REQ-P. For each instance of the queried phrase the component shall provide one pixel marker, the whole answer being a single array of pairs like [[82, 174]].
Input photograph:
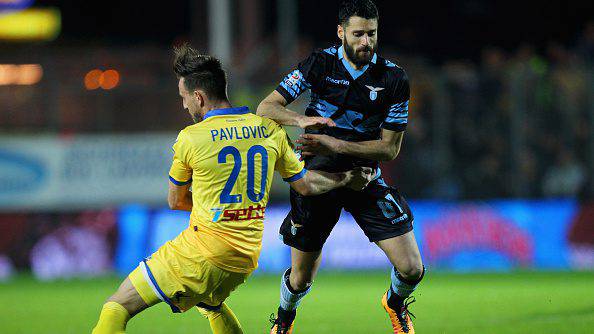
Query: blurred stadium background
[[497, 160]]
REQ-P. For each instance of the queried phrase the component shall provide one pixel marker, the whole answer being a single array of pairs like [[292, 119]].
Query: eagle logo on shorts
[[373, 92], [294, 227]]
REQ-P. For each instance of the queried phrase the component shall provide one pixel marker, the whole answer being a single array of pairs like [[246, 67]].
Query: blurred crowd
[[516, 123]]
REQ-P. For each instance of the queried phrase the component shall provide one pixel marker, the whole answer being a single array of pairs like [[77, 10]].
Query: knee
[[411, 270], [132, 305], [120, 300], [116, 298], [301, 279]]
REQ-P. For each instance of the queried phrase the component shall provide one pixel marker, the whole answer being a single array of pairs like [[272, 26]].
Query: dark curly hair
[[200, 72], [363, 8]]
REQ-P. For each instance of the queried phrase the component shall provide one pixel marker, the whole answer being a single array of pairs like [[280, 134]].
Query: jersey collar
[[352, 71], [227, 111]]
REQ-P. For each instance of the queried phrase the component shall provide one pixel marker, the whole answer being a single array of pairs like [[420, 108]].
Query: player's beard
[[358, 57]]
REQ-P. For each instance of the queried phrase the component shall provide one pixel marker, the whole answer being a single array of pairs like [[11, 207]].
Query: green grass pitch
[[522, 302]]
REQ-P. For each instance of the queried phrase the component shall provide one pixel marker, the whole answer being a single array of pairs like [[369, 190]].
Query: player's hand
[[359, 178], [314, 123], [310, 144]]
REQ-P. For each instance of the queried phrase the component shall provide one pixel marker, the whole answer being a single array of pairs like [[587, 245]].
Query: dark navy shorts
[[379, 210]]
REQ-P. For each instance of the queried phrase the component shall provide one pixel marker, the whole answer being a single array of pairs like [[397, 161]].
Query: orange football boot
[[401, 319], [283, 323]]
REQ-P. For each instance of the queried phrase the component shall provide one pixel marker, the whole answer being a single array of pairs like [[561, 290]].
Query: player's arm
[[314, 182], [384, 149], [317, 182], [274, 107], [305, 76], [179, 197]]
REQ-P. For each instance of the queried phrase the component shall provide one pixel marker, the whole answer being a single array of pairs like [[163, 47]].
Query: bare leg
[[406, 274], [128, 297], [403, 253], [304, 267]]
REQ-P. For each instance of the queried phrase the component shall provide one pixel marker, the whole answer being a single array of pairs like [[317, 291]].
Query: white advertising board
[[50, 172]]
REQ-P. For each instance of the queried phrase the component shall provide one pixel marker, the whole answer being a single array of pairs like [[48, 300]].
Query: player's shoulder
[[330, 52], [191, 129], [324, 55], [190, 132], [391, 68], [271, 126], [273, 130]]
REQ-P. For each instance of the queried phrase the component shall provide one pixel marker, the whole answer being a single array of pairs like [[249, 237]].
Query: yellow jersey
[[230, 158]]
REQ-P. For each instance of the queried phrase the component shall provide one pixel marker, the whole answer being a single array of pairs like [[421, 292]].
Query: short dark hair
[[362, 8], [200, 72]]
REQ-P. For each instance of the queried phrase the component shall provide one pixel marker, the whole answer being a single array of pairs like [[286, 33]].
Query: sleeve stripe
[[396, 120], [292, 88], [401, 104], [296, 177], [296, 89], [179, 183], [295, 86], [399, 109], [282, 91], [398, 114], [289, 90], [392, 118]]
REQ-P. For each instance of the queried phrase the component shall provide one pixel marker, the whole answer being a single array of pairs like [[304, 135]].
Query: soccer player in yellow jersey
[[227, 159]]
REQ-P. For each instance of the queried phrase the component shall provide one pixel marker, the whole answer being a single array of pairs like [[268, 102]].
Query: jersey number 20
[[226, 196]]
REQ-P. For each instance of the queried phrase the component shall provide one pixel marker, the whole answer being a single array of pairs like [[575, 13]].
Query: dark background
[[440, 29]]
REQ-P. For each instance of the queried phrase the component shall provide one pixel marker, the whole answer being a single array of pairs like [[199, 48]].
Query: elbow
[[389, 155], [304, 188], [261, 110], [305, 191], [173, 203], [267, 106]]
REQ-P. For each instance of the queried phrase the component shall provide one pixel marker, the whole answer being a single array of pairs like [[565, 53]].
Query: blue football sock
[[400, 288], [289, 298]]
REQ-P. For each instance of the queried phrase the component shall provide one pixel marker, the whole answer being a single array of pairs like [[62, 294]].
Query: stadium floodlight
[[25, 74], [38, 24], [97, 78]]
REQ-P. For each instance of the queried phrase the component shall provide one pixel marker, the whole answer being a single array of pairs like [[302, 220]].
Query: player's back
[[230, 158]]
